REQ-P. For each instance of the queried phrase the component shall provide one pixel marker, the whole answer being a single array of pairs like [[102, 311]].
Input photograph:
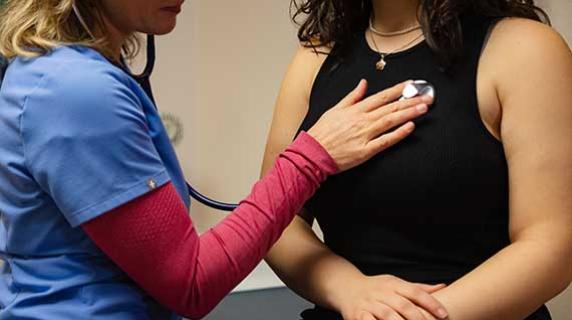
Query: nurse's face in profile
[[146, 16]]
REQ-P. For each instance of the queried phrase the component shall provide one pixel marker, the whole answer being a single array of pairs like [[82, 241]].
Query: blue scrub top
[[78, 137]]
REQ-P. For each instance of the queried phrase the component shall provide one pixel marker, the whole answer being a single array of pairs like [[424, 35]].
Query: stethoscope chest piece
[[418, 88]]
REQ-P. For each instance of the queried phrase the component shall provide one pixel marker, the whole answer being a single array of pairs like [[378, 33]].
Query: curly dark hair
[[324, 22]]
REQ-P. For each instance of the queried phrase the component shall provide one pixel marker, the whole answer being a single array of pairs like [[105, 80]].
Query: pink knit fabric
[[153, 239]]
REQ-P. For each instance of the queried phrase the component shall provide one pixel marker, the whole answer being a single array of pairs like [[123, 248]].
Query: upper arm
[[292, 106], [292, 103], [86, 141], [533, 80]]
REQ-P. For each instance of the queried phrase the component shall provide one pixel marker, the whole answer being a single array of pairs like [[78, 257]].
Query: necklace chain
[[380, 65], [394, 33]]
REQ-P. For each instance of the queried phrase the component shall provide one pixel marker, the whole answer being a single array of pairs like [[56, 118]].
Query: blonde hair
[[31, 28]]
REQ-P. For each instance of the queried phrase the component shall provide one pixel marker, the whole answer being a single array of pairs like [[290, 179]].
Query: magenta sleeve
[[153, 239]]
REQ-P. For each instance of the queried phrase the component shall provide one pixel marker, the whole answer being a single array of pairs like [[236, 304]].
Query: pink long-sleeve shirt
[[154, 241]]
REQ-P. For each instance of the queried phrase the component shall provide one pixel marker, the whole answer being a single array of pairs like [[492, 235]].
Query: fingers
[[355, 96], [401, 105], [404, 307], [424, 300], [367, 316], [396, 119], [382, 311], [384, 97], [431, 288], [387, 140]]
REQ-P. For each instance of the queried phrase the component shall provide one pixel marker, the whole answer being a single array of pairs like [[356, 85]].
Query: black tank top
[[433, 207]]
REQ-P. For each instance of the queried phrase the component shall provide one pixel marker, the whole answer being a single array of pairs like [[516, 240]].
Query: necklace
[[394, 33], [380, 65]]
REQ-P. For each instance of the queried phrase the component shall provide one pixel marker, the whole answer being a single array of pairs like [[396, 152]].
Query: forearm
[[309, 267], [234, 247], [153, 240], [512, 284]]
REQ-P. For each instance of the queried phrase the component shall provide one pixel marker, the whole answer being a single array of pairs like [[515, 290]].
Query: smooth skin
[[524, 81]]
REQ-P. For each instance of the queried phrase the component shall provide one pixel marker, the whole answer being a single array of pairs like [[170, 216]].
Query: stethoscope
[[144, 80], [417, 87]]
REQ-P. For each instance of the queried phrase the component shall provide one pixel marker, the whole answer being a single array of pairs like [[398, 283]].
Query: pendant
[[380, 65]]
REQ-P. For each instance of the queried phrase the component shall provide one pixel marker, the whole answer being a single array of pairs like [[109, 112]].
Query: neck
[[394, 15], [116, 39]]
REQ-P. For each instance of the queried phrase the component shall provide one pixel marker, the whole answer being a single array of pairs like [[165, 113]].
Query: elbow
[[564, 271], [567, 265], [564, 284], [198, 306], [195, 315], [568, 268], [553, 249], [198, 313]]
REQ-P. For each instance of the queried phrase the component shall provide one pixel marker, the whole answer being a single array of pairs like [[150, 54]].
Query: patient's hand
[[390, 298], [427, 315]]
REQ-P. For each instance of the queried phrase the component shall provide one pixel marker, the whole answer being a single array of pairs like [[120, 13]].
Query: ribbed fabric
[[433, 207]]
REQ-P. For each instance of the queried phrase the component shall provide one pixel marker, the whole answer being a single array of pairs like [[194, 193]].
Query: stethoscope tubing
[[144, 79]]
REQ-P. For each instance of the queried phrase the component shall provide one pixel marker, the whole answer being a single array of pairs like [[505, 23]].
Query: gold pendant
[[380, 65]]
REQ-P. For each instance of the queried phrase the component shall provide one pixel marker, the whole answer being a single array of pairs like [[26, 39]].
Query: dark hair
[[325, 22]]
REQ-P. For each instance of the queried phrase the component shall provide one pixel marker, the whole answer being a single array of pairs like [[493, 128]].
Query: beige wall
[[219, 72]]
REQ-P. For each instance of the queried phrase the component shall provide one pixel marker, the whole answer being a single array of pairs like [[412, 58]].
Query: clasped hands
[[386, 297]]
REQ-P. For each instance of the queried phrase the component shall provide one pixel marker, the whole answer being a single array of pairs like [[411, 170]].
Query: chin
[[164, 28], [164, 31]]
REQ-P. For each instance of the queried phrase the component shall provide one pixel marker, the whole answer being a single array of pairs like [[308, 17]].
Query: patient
[[477, 198]]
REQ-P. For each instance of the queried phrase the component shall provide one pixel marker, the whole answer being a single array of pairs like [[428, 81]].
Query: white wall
[[219, 72]]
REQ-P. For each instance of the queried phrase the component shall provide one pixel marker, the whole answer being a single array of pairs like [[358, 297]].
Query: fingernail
[[409, 126], [442, 313], [427, 98], [422, 108]]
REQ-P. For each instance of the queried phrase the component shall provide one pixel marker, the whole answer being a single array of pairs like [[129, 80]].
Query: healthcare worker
[[93, 203]]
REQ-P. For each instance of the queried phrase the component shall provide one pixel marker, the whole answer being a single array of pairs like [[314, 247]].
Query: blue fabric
[[78, 138]]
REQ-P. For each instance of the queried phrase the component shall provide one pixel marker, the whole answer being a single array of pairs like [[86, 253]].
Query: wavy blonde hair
[[31, 28]]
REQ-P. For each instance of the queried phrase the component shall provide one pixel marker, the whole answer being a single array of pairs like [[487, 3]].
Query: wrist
[[316, 152], [444, 298], [343, 295]]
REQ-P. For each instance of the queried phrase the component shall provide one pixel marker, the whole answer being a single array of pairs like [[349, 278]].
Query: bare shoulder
[[306, 64], [293, 100], [522, 53], [527, 32], [524, 40]]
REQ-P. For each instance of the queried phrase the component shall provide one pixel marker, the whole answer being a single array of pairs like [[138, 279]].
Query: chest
[[453, 158]]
